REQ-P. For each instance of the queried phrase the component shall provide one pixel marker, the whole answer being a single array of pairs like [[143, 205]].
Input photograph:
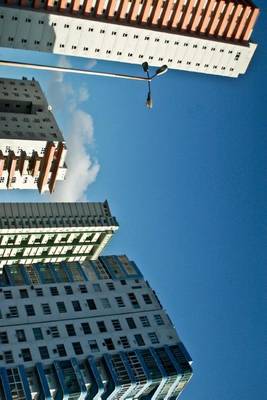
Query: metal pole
[[72, 70]]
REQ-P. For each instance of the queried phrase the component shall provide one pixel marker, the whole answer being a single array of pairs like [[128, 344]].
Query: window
[[109, 344], [68, 289], [144, 321], [54, 331], [131, 323], [110, 286], [133, 300], [105, 303], [29, 310], [116, 325], [147, 299], [77, 348], [8, 356], [8, 294], [91, 304], [61, 350], [54, 291], [26, 355], [39, 292], [70, 330], [101, 326], [158, 319], [21, 335], [139, 340], [13, 312], [61, 307], [23, 293], [86, 328], [119, 301], [153, 337], [37, 332], [44, 354], [46, 308], [124, 341], [123, 282], [97, 287], [93, 345], [76, 305], [3, 337], [83, 289]]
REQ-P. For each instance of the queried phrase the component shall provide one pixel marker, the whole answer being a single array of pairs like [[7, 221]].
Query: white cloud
[[78, 131]]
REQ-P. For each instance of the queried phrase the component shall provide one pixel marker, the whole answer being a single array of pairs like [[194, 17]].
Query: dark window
[[139, 340], [23, 293], [61, 350], [70, 330], [133, 300], [3, 337], [37, 332], [43, 352], [77, 348], [83, 289], [29, 310], [109, 344], [76, 305], [147, 299], [86, 328], [116, 325], [8, 357], [131, 323], [21, 335], [101, 326], [54, 291], [61, 307], [68, 289], [110, 286], [39, 292], [93, 345], [119, 301], [8, 294], [46, 308], [124, 341], [91, 304], [26, 355]]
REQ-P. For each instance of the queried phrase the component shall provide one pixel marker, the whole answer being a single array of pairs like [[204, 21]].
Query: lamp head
[[145, 66], [162, 70]]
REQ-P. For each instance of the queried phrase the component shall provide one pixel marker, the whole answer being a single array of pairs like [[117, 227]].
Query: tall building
[[53, 232], [32, 148], [95, 328], [208, 36]]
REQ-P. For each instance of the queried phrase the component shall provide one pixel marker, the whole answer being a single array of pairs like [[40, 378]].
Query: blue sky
[[187, 181]]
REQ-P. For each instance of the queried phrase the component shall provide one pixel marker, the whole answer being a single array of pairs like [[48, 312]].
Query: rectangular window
[[153, 337], [76, 305], [13, 312], [44, 354], [101, 326], [116, 325], [105, 303], [91, 304], [119, 301], [83, 289], [110, 286], [133, 300], [86, 328], [46, 308], [54, 331], [21, 335], [3, 337], [147, 299], [144, 321], [8, 356], [97, 287], [131, 323], [7, 294], [54, 291], [93, 345], [68, 289], [109, 344], [70, 330], [124, 341], [61, 307], [23, 293], [29, 310], [37, 332], [158, 319], [39, 292], [26, 355], [77, 348], [139, 340], [61, 350]]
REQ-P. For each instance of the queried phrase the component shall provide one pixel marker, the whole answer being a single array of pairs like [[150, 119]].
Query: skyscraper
[[32, 148], [208, 36], [53, 232], [94, 328]]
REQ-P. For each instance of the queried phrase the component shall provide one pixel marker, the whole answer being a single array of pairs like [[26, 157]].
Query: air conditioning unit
[[48, 331]]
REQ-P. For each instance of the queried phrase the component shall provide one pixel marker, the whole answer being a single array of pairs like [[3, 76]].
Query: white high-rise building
[[93, 330], [53, 232], [32, 148], [208, 36]]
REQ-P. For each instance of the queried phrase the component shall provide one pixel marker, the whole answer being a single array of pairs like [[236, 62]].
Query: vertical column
[[46, 166]]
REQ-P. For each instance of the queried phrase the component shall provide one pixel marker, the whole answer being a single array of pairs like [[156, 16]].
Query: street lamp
[[158, 72]]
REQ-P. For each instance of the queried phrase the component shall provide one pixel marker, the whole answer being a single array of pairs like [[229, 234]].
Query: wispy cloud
[[78, 127]]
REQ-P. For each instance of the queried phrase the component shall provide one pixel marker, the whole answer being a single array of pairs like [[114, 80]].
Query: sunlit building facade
[[54, 232], [32, 148], [94, 329], [208, 36]]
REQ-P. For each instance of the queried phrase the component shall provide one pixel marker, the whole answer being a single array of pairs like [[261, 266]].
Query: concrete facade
[[207, 36], [32, 148]]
